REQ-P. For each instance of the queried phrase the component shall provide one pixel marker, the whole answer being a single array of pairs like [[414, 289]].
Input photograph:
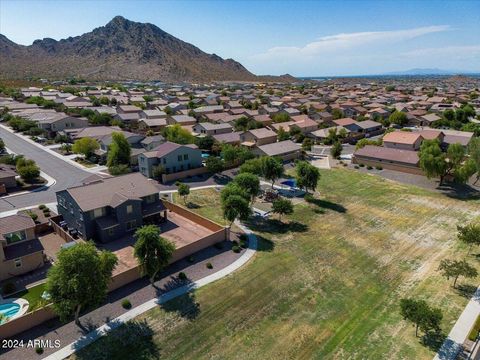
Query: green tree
[[272, 168], [474, 153], [214, 164], [469, 234], [152, 251], [399, 118], [85, 146], [253, 166], [307, 175], [119, 151], [421, 314], [282, 135], [282, 206], [337, 114], [205, 142], [307, 144], [250, 183], [157, 172], [432, 159], [336, 149], [455, 268], [27, 169], [183, 191], [280, 117], [79, 279], [177, 134], [235, 207]]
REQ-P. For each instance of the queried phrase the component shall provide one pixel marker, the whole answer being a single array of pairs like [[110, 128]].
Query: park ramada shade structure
[[387, 154]]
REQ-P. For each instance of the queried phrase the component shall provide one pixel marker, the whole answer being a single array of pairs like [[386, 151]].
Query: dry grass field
[[325, 284]]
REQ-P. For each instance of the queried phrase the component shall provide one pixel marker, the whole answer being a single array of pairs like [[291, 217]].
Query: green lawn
[[327, 285], [33, 295]]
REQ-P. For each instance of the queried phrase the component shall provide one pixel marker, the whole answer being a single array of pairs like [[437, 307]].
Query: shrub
[[9, 288], [378, 167], [362, 165], [182, 276], [236, 249], [209, 265], [473, 334], [308, 197], [119, 169], [369, 167], [126, 304], [39, 350], [344, 164], [356, 167], [243, 244], [32, 215], [45, 210], [42, 207], [47, 214]]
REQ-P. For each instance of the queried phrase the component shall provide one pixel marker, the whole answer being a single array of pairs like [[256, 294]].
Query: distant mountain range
[[121, 50], [427, 71]]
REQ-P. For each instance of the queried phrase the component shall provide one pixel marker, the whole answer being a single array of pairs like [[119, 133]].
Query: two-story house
[[171, 157], [106, 209], [20, 249]]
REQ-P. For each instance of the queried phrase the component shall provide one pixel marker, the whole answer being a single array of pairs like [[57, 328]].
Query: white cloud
[[346, 41]]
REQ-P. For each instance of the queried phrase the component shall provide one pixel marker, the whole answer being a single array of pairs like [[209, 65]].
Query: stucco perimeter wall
[[206, 223], [183, 174], [39, 316], [26, 322], [387, 165]]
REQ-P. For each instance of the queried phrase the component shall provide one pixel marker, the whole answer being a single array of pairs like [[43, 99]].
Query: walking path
[[453, 344], [115, 323]]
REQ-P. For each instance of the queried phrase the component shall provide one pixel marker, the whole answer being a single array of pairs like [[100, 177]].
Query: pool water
[[9, 309], [205, 155], [290, 182]]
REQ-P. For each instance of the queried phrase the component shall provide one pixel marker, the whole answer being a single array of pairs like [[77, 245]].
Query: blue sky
[[303, 38]]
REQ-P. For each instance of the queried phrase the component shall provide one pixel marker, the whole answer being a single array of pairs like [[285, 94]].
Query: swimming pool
[[9, 309], [205, 155], [290, 182], [12, 308]]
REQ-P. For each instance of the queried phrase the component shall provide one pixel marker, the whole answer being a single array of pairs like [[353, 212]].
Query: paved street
[[65, 174]]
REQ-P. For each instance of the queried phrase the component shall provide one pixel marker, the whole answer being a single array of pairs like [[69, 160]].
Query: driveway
[[65, 174]]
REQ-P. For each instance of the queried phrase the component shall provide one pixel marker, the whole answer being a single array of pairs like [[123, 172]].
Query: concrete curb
[[131, 314], [50, 151]]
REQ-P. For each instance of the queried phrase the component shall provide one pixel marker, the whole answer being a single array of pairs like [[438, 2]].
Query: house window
[[98, 213], [18, 262], [150, 199], [129, 209], [179, 157], [164, 160], [185, 157], [130, 225], [16, 236]]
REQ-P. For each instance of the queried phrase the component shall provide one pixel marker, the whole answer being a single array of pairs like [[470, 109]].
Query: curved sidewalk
[[113, 324]]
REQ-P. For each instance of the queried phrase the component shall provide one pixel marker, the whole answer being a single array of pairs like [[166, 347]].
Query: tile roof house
[[109, 208], [258, 137], [171, 157], [285, 150], [20, 249], [206, 128], [7, 178], [388, 158], [404, 140], [232, 138], [429, 119]]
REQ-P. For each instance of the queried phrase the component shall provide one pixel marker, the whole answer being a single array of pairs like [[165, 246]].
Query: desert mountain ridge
[[121, 50]]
